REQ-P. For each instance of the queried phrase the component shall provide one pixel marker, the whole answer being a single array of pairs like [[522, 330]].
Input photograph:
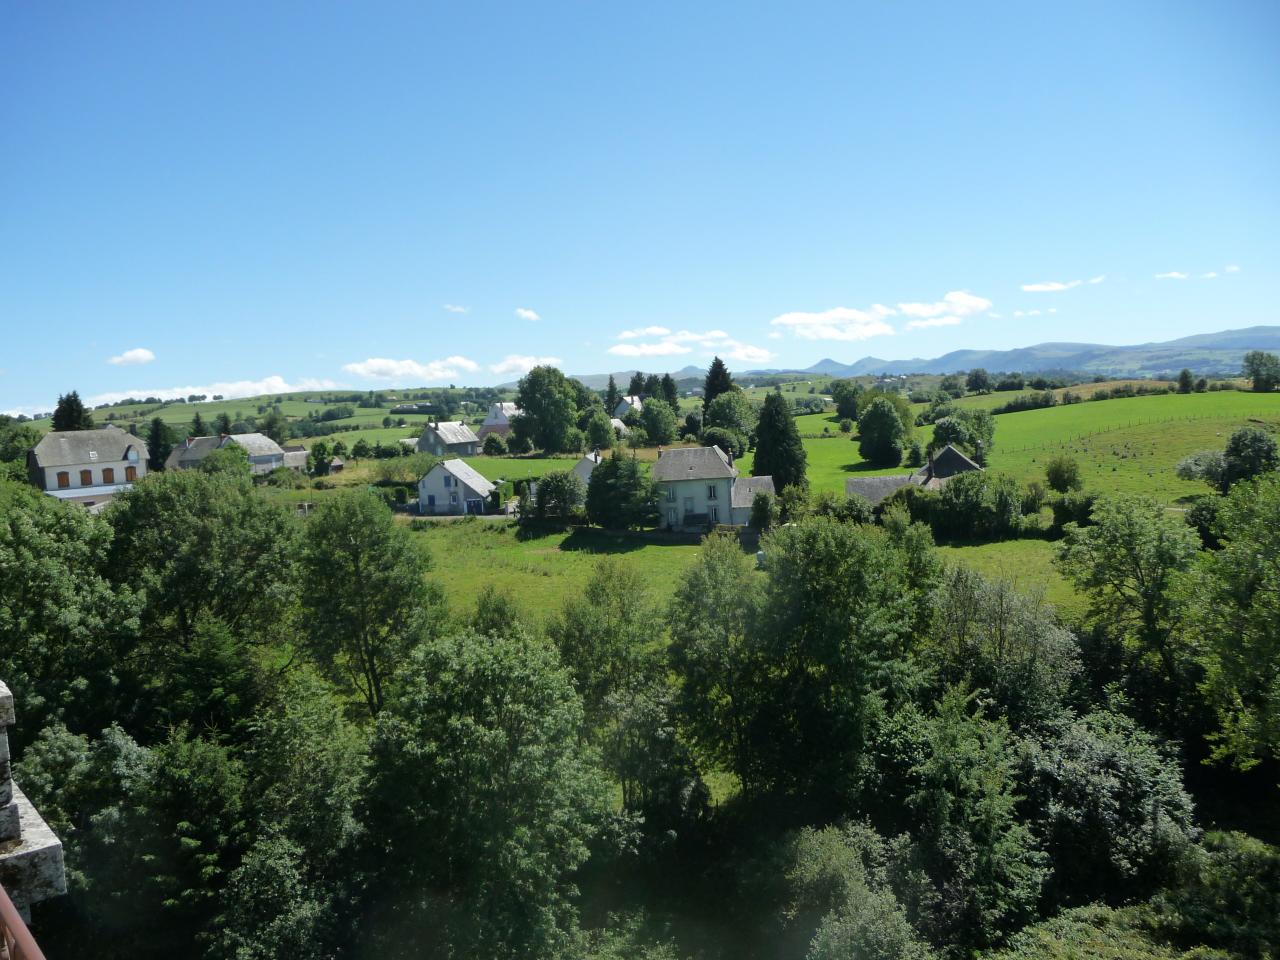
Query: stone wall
[[31, 867]]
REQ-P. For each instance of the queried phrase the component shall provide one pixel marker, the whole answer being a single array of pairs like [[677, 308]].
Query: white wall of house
[[98, 473], [440, 492], [679, 498]]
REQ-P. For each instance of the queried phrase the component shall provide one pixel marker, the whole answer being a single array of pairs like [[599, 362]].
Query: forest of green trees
[[264, 736]]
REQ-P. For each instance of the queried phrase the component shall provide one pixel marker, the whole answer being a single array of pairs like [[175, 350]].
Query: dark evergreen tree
[[636, 387], [198, 427], [159, 445], [652, 386], [222, 423], [779, 452], [71, 414], [717, 382], [611, 396], [670, 392], [1186, 381]]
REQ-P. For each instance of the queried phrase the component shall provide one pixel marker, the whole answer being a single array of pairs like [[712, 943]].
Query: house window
[[711, 491], [671, 518], [131, 474], [86, 478], [714, 513], [453, 498], [448, 481], [64, 479], [671, 494], [108, 475]]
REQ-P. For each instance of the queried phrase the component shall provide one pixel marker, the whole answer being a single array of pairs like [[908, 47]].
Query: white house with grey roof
[[498, 420], [627, 405], [87, 466], [452, 487], [264, 453], [698, 488], [449, 438]]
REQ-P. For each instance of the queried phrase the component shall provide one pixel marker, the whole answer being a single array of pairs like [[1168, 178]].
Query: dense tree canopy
[[779, 452]]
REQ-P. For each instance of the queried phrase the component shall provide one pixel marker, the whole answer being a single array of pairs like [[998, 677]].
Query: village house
[[452, 487], [583, 468], [627, 405], [942, 466], [620, 429], [498, 420], [295, 457], [697, 489], [264, 453], [87, 466], [449, 438]]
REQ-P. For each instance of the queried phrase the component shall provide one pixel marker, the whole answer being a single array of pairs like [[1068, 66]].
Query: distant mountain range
[[1203, 353]]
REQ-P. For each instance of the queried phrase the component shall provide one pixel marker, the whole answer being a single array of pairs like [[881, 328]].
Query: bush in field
[[1063, 474], [560, 495], [494, 445]]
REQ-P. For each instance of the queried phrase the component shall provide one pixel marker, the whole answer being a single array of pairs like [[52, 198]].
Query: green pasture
[[542, 570], [1027, 565]]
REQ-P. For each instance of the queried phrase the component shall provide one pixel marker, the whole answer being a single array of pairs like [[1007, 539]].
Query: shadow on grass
[[595, 540]]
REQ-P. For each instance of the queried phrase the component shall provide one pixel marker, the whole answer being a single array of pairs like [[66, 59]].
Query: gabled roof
[[947, 462], [465, 474], [256, 444], [692, 463], [192, 450], [452, 431], [65, 448], [621, 427], [876, 489], [631, 402], [746, 488], [507, 408]]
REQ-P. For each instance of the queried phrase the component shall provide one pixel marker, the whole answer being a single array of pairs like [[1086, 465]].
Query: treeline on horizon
[[265, 736]]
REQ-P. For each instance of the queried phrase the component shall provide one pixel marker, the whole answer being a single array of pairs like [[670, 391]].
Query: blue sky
[[287, 195]]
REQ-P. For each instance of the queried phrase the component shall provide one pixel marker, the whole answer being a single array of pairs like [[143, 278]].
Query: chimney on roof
[[731, 458]]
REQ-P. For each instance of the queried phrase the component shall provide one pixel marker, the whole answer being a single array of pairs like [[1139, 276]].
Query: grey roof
[[947, 462], [256, 444], [64, 448], [453, 431], [621, 427], [507, 408], [876, 489], [692, 463], [746, 488], [467, 475], [191, 451]]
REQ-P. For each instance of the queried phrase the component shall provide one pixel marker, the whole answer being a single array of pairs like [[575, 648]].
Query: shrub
[[978, 506], [763, 511], [846, 425], [1063, 474], [730, 441], [494, 445], [1074, 508], [560, 495]]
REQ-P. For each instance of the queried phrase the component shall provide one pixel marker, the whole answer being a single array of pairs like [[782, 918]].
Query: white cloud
[[1050, 286], [775, 334], [663, 348], [381, 368], [1211, 275], [1098, 279], [1171, 275], [957, 303], [643, 332], [680, 342], [945, 321], [517, 364], [1231, 268], [838, 323], [524, 313], [230, 389], [134, 356], [454, 308]]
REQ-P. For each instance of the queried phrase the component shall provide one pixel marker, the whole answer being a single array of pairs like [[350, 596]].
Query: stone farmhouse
[[88, 467], [498, 419], [452, 487], [699, 487], [264, 453], [942, 466], [449, 438]]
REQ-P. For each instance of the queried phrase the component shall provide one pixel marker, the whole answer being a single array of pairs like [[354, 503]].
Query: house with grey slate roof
[[264, 453], [698, 489], [87, 466], [942, 466], [449, 438], [452, 487]]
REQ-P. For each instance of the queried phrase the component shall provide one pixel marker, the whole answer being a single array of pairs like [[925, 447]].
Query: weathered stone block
[[10, 822], [6, 706], [31, 868]]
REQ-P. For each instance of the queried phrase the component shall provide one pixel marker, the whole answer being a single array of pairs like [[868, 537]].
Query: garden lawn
[[540, 572]]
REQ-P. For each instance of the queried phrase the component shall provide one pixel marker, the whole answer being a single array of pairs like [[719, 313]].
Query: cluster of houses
[[89, 467]]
